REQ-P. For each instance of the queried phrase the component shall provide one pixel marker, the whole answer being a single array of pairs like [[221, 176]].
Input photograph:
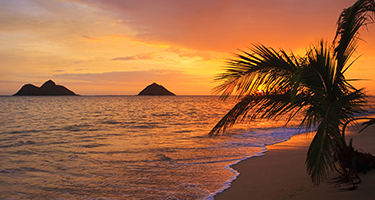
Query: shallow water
[[122, 147]]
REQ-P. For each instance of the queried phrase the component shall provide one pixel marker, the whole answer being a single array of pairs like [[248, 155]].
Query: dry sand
[[281, 173]]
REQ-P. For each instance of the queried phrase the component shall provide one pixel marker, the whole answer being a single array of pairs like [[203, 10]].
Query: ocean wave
[[25, 131], [97, 145], [163, 114], [93, 145], [23, 152], [235, 175], [162, 157], [19, 143], [110, 122], [78, 128], [263, 137]]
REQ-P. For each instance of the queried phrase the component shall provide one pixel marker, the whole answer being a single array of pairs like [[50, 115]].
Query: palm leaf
[[263, 67], [319, 156], [370, 122], [348, 26], [313, 84]]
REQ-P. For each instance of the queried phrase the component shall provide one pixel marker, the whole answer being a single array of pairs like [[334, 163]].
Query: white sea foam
[[284, 134]]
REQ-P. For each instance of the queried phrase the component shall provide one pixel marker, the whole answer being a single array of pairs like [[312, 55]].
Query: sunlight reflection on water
[[122, 147]]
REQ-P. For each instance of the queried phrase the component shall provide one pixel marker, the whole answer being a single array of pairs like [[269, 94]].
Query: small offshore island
[[156, 89], [49, 88]]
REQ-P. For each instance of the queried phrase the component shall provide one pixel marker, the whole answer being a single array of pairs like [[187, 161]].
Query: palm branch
[[313, 84]]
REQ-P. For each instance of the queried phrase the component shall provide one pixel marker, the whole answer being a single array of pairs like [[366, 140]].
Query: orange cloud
[[224, 25], [190, 38], [91, 39], [147, 56]]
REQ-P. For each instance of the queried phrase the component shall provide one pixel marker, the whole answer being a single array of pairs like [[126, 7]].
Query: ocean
[[124, 147]]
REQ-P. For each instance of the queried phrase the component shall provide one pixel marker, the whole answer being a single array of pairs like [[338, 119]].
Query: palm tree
[[313, 84]]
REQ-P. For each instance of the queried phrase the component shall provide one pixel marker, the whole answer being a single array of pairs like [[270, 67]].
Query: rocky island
[[155, 89], [49, 88]]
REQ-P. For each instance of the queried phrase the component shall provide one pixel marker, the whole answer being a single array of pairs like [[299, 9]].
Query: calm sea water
[[122, 147]]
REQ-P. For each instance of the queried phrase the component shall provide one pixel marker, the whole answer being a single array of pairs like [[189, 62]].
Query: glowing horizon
[[119, 47]]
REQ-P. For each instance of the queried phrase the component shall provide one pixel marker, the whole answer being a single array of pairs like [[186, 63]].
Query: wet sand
[[281, 173]]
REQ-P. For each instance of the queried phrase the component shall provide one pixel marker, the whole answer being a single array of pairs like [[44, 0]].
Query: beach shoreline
[[281, 173]]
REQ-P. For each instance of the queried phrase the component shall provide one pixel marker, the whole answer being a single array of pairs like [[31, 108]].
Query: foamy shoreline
[[281, 173], [230, 168]]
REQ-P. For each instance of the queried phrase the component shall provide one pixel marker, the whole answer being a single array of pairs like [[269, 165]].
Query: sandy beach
[[281, 173]]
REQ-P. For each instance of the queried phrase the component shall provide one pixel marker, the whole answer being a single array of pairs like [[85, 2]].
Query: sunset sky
[[117, 47]]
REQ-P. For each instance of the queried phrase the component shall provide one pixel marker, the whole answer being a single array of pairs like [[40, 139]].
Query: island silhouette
[[49, 88], [155, 89]]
